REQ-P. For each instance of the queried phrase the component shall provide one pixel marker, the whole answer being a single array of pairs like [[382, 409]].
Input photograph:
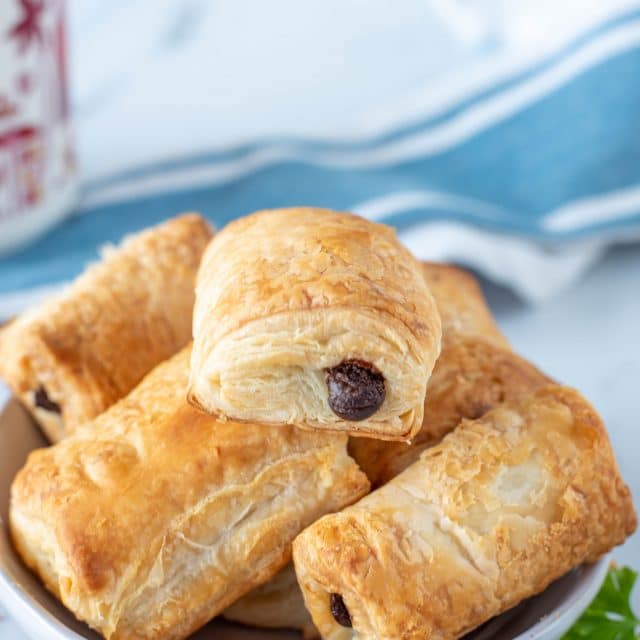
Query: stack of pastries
[[296, 387]]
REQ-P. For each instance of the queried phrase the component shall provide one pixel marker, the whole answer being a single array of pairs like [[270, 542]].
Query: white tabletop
[[588, 338]]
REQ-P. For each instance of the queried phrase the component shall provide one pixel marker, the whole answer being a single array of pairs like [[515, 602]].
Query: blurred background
[[500, 134]]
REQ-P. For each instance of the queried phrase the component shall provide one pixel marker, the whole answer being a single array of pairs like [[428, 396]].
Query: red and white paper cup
[[38, 179]]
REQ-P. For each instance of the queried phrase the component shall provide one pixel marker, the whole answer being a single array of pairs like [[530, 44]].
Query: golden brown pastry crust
[[461, 304], [92, 344], [499, 509], [476, 371], [153, 519], [284, 295]]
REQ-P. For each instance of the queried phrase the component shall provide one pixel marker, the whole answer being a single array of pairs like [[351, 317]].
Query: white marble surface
[[590, 338]]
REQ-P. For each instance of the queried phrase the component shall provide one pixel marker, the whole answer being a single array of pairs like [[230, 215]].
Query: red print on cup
[[37, 168], [28, 28]]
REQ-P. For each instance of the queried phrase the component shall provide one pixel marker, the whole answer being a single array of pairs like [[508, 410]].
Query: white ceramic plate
[[545, 617]]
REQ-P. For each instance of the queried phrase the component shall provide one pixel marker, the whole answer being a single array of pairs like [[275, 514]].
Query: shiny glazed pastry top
[[315, 318]]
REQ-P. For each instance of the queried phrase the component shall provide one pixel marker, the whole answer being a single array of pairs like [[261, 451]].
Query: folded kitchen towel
[[504, 136]]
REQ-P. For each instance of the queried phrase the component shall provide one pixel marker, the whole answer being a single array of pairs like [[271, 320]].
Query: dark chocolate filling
[[356, 389], [42, 400], [339, 610]]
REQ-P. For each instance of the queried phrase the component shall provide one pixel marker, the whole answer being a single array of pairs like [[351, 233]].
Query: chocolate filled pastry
[[314, 318], [502, 507], [153, 519], [75, 355], [476, 371]]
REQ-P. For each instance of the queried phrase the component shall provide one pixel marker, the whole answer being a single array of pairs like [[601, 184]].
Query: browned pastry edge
[[90, 345]]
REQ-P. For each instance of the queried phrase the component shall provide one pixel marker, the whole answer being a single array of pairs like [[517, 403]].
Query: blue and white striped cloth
[[505, 136]]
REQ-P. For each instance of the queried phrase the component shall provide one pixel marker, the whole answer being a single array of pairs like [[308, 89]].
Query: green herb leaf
[[609, 616]]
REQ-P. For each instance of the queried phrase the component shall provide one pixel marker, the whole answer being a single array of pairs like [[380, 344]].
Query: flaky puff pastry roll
[[78, 353], [499, 509], [153, 519], [476, 371], [314, 318]]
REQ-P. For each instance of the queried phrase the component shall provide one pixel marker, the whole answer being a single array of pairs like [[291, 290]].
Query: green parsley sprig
[[609, 616]]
